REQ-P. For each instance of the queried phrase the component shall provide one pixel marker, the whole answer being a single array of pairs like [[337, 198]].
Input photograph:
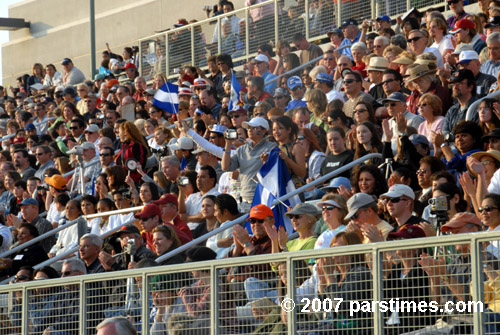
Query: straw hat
[[378, 64], [419, 71], [403, 60], [495, 154]]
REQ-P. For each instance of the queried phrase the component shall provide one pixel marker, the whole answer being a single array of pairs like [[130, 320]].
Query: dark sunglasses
[[295, 217], [486, 208], [349, 81], [145, 219], [360, 111], [104, 155], [235, 116], [21, 277], [40, 153], [392, 104], [328, 208], [411, 40], [253, 221], [278, 97], [67, 273], [73, 128], [301, 137], [329, 58], [388, 81], [395, 200]]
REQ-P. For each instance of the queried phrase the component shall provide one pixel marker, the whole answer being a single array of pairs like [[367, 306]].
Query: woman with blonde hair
[[37, 76], [134, 146], [316, 103], [431, 108], [282, 49], [391, 53]]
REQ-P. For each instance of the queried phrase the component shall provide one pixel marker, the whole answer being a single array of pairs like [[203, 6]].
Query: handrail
[[68, 252], [39, 238], [45, 121], [303, 65], [117, 211], [476, 103], [301, 189]]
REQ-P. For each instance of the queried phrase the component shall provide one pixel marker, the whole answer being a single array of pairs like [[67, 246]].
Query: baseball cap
[[112, 82], [260, 212], [152, 91], [237, 110], [419, 139], [167, 199], [256, 122], [30, 126], [262, 58], [495, 133], [399, 190], [337, 32], [130, 228], [336, 182], [357, 201], [408, 231], [88, 145], [92, 128], [324, 78], [199, 254], [460, 220], [28, 201], [396, 96], [494, 21], [148, 211], [303, 209], [282, 91], [460, 75], [217, 128], [56, 181], [384, 18], [199, 151], [467, 55], [462, 24], [294, 82], [99, 76], [349, 22], [181, 23], [66, 61], [183, 143], [130, 66]]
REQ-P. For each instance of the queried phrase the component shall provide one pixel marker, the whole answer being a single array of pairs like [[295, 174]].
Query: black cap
[[69, 90], [460, 75], [494, 21], [129, 229], [348, 22], [66, 61], [199, 254], [495, 133]]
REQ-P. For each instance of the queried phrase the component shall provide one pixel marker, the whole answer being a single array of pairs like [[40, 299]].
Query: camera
[[183, 181], [230, 134], [125, 192], [42, 188], [135, 48], [162, 151], [449, 138], [177, 70], [439, 204], [131, 247]]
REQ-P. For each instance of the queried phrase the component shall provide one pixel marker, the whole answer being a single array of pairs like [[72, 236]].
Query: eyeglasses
[[292, 217], [378, 46], [67, 273], [40, 153], [349, 81], [254, 221], [392, 104], [104, 155], [411, 40], [388, 81], [486, 162], [235, 116], [421, 171], [395, 200], [73, 128], [486, 208], [21, 277], [422, 105], [278, 97], [328, 208], [145, 219], [360, 111], [329, 58], [212, 137], [301, 137]]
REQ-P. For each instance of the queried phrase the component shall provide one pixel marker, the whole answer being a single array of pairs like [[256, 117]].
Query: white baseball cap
[[256, 122], [399, 190], [467, 55]]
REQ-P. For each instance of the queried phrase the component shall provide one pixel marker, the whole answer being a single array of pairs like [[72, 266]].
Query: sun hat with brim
[[495, 154], [425, 61], [407, 231], [378, 64], [404, 60], [461, 47], [460, 220], [303, 209], [328, 203], [358, 201], [256, 122], [419, 71]]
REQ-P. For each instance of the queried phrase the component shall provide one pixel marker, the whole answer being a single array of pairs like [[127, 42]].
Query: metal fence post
[[167, 53], [408, 5], [290, 278], [82, 306], [219, 36], [339, 13], [214, 300], [307, 19], [477, 293], [247, 34], [25, 312], [378, 276], [276, 22], [193, 61], [145, 304]]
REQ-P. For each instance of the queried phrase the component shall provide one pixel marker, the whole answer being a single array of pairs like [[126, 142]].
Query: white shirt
[[7, 238], [494, 186], [440, 62]]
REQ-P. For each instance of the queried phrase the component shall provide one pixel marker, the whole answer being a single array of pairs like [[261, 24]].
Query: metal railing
[[93, 291], [194, 43]]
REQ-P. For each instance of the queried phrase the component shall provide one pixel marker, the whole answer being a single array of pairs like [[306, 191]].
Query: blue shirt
[[271, 87], [490, 67], [347, 51], [296, 103]]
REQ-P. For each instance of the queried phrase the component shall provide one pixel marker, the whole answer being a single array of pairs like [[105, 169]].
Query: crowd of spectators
[[409, 91]]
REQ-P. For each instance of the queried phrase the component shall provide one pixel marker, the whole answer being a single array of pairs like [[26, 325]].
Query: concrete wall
[[60, 28]]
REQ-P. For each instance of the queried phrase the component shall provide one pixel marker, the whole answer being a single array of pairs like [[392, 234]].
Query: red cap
[[112, 83], [461, 219], [408, 231], [463, 24], [130, 66], [260, 212], [167, 199], [149, 211]]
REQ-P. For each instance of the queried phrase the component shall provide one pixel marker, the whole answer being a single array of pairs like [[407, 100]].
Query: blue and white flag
[[167, 99], [235, 93], [274, 181]]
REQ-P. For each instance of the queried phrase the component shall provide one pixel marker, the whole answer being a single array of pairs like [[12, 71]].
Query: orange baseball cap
[[56, 181], [260, 212]]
